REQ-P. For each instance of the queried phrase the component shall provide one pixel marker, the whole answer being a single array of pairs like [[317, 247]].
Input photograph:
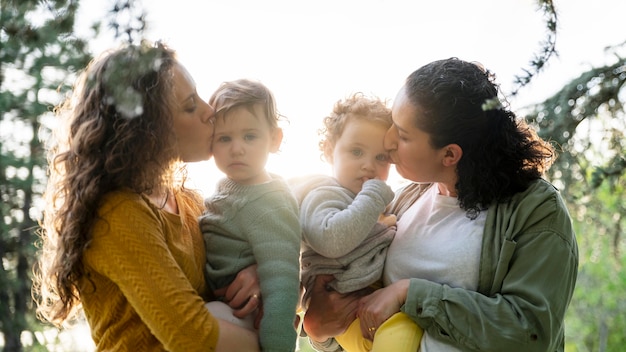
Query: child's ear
[[277, 139]]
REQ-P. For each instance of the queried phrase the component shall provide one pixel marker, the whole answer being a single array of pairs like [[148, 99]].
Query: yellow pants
[[398, 333]]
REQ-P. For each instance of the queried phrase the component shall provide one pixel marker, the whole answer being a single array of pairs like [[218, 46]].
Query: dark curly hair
[[115, 132], [501, 153]]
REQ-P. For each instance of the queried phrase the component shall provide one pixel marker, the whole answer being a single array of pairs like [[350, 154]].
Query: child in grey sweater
[[345, 231]]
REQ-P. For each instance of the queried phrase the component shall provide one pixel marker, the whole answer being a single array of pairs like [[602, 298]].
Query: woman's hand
[[377, 307], [243, 295], [329, 313]]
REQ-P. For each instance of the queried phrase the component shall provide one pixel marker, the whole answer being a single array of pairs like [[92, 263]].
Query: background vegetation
[[39, 50]]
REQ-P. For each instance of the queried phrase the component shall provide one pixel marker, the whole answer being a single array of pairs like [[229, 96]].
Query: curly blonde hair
[[357, 106], [115, 132]]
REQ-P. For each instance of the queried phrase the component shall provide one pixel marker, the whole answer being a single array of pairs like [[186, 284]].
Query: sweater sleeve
[[274, 233], [334, 225], [130, 247]]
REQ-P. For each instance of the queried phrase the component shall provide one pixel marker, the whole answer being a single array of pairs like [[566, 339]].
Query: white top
[[435, 240]]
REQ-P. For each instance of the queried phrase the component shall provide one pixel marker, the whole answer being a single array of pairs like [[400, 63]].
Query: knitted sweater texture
[[143, 284], [247, 224]]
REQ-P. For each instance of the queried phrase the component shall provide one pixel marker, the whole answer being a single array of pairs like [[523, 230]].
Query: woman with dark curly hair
[[120, 237], [485, 257]]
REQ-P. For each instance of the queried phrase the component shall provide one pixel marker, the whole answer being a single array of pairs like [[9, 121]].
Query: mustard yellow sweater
[[144, 279]]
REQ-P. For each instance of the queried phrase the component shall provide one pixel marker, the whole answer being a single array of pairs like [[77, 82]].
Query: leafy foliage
[[596, 318], [586, 120], [38, 48], [547, 47], [127, 19], [39, 55]]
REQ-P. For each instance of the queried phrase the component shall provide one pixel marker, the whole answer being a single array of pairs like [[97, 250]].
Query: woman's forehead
[[184, 85]]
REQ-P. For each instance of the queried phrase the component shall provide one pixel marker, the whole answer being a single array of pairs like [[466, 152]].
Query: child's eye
[[250, 137], [357, 152], [382, 157], [223, 139]]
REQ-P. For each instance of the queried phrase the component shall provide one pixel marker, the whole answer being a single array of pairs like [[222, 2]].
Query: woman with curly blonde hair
[[120, 233]]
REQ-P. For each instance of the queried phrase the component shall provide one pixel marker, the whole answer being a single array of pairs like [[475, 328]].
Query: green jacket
[[527, 274]]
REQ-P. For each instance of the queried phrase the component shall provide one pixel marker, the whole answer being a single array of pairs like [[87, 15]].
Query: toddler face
[[359, 155], [242, 142]]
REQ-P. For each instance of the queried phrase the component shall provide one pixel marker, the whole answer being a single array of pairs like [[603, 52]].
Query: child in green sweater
[[253, 216]]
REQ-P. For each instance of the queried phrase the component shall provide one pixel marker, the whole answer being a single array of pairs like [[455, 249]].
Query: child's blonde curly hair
[[356, 106]]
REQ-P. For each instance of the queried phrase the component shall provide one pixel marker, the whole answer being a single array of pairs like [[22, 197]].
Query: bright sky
[[310, 54]]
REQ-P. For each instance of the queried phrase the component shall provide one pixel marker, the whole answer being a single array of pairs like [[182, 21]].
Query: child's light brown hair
[[357, 106], [246, 93]]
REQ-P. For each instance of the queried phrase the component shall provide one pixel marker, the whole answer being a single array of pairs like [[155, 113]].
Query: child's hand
[[388, 220]]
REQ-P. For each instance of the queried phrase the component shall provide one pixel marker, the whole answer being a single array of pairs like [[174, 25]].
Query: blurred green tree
[[39, 54], [38, 48], [586, 120]]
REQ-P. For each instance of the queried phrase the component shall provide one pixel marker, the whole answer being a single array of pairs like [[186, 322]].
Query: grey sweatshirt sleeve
[[334, 224]]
